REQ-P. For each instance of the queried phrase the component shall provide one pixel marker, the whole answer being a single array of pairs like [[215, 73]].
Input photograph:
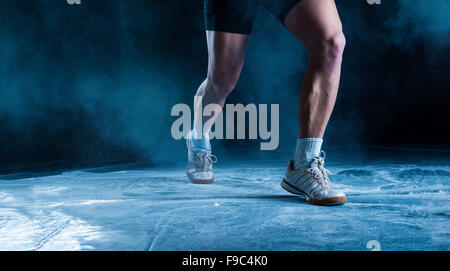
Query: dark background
[[94, 83]]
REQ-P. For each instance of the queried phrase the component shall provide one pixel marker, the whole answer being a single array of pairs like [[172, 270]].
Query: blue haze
[[95, 83]]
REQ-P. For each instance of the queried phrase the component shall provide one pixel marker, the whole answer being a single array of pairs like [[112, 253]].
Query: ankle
[[307, 149], [199, 140]]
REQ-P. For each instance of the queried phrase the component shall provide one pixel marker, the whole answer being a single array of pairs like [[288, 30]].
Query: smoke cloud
[[95, 83]]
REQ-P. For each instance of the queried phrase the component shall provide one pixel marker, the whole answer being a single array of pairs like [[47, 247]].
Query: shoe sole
[[326, 202], [199, 181]]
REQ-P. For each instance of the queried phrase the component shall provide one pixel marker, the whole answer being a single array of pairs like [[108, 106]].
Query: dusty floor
[[392, 206]]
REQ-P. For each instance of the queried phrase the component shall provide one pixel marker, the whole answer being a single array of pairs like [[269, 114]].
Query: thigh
[[312, 20], [232, 16], [279, 8], [226, 53]]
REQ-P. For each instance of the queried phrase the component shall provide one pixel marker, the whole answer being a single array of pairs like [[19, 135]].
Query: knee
[[330, 48], [222, 81]]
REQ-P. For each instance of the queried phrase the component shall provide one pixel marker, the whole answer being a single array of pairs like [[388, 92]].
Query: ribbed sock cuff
[[306, 150], [199, 141]]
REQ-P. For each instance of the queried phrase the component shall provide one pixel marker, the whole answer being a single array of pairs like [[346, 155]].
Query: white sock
[[199, 140], [306, 150]]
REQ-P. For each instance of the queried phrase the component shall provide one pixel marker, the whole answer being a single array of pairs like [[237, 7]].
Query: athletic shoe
[[199, 167], [313, 182]]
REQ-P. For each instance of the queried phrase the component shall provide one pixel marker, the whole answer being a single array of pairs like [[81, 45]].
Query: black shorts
[[237, 16]]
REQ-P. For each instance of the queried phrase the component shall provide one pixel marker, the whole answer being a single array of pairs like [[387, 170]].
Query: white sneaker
[[199, 167], [312, 181]]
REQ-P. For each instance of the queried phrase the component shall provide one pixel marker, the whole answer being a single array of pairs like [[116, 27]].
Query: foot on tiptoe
[[313, 182], [199, 167]]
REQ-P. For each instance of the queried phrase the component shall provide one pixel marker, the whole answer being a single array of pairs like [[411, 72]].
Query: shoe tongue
[[314, 164], [318, 161]]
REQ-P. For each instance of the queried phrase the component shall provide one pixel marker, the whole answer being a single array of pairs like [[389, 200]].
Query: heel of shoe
[[199, 181]]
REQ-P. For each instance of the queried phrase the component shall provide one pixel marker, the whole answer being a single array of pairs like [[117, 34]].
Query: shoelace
[[319, 173], [205, 160]]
